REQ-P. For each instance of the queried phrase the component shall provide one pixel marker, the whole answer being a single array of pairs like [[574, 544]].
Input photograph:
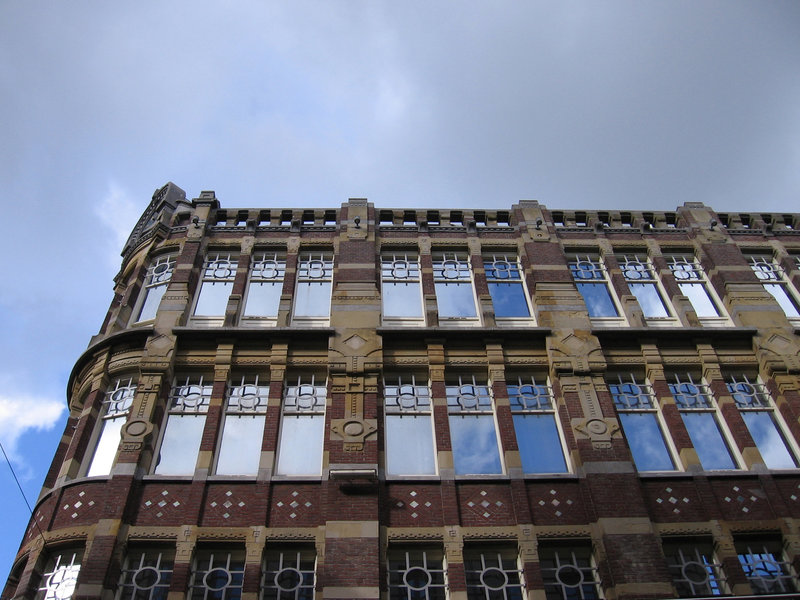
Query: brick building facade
[[368, 403]]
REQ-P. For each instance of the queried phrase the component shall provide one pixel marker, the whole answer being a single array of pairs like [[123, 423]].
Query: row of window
[[453, 278], [409, 432], [491, 572]]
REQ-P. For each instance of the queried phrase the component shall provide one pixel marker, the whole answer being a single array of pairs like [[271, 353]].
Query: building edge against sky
[[391, 403]]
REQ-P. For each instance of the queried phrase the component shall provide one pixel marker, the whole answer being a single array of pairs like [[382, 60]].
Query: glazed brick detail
[[557, 503], [81, 505], [234, 505], [407, 505], [674, 500], [485, 505], [296, 505], [742, 499], [164, 503]]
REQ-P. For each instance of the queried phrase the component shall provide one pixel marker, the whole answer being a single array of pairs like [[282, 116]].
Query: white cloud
[[118, 211], [22, 413]]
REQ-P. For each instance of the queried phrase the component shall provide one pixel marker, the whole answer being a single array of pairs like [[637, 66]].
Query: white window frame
[[141, 565], [61, 576], [314, 268], [466, 399], [267, 268], [498, 565], [189, 399], [219, 268], [753, 396], [218, 560], [772, 276], [116, 408], [526, 396], [632, 396], [401, 268], [758, 557], [688, 560], [455, 268], [591, 270], [568, 561], [687, 270], [505, 269], [404, 397], [425, 561], [293, 563], [246, 400], [156, 282], [703, 401], [304, 396], [637, 269]]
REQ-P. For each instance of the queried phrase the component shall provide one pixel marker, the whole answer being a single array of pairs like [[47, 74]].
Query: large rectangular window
[[302, 426], [416, 573], [592, 282], [243, 427], [539, 436], [409, 426], [695, 572], [219, 272], [186, 417], [642, 282], [638, 413], [116, 407], [401, 287], [473, 431], [699, 413], [506, 286], [694, 285], [155, 284], [762, 420], [569, 572], [217, 574], [773, 278], [264, 287], [493, 574], [455, 294], [146, 574], [312, 300], [288, 573]]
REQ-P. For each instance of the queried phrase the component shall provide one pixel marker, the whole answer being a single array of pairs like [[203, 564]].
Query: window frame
[[519, 405], [686, 558], [267, 267], [499, 556], [687, 271], [514, 275], [772, 276], [58, 574], [156, 281], [401, 268], [219, 268], [236, 407], [454, 268], [314, 267], [129, 589], [639, 398], [575, 554], [302, 556], [422, 396], [116, 407], [202, 591], [291, 407], [416, 559], [772, 548], [638, 269], [594, 266]]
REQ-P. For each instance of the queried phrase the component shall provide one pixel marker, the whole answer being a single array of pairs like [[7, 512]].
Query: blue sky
[[616, 104]]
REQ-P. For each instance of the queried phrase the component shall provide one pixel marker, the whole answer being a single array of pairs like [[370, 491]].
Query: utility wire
[[21, 491]]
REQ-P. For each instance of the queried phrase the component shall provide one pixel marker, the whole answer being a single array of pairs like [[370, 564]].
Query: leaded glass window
[[473, 432], [60, 576], [401, 286], [264, 287], [639, 415], [506, 286], [288, 574], [116, 407], [493, 574], [302, 426], [695, 572], [243, 427], [765, 566], [217, 575], [569, 572], [539, 435], [146, 575], [699, 413], [592, 282], [186, 416], [312, 300], [455, 295], [694, 285], [416, 574], [219, 272], [773, 278], [762, 420], [642, 282], [155, 284], [409, 426]]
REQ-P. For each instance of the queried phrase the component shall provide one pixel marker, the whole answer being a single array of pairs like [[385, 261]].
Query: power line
[[24, 497]]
